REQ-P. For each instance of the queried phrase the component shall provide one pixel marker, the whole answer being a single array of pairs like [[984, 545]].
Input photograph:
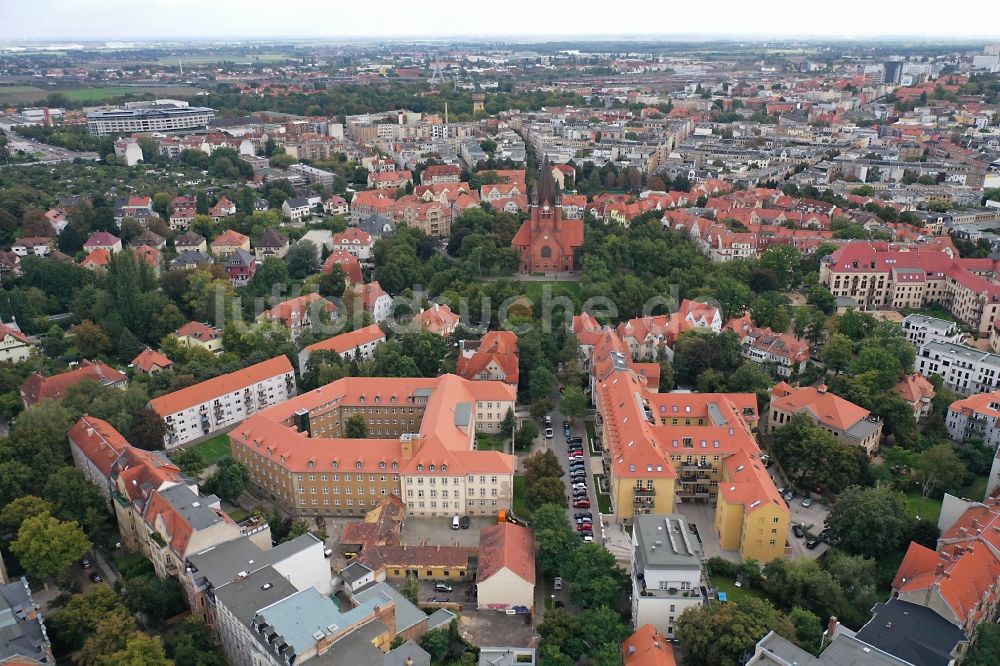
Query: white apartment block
[[975, 417], [921, 329], [472, 493], [165, 118], [666, 571], [203, 409], [964, 369]]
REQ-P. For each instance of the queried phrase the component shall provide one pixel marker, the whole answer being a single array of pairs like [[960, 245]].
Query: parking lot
[[812, 520], [559, 446], [437, 531]]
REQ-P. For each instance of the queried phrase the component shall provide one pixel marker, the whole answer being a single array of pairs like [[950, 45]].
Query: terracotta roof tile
[[506, 546]]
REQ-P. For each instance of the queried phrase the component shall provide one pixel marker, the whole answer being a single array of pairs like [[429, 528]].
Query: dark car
[[812, 543], [96, 578], [583, 514], [438, 600], [464, 522], [798, 531]]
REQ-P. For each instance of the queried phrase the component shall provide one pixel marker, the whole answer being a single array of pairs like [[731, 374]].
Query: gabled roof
[[292, 310], [6, 330], [230, 238], [38, 388], [915, 387], [272, 238], [148, 358], [506, 546], [192, 396], [198, 331], [101, 239], [648, 647], [347, 262], [99, 441], [831, 410], [436, 319], [348, 341]]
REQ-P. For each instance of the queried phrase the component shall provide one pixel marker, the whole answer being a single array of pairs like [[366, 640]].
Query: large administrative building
[[155, 118], [420, 446]]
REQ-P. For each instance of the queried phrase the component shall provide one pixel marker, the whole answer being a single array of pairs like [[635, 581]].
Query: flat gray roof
[[665, 541], [220, 564], [246, 596]]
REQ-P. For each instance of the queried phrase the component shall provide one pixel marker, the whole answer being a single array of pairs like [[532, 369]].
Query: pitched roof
[[294, 308], [191, 396], [198, 331], [6, 330], [230, 238], [915, 387], [348, 341], [272, 238], [831, 410], [101, 239], [506, 546], [148, 358], [648, 647], [99, 258], [497, 347], [99, 441], [437, 319], [352, 236], [347, 262], [38, 387]]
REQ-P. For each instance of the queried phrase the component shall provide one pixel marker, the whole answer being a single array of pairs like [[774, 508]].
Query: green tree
[[508, 423], [555, 538], [940, 470], [90, 339], [550, 490], [594, 577], [16, 512], [411, 590], [525, 436], [332, 284], [436, 642], [540, 465], [869, 521], [229, 481], [541, 384], [573, 402], [71, 623], [111, 634], [46, 546], [837, 353], [721, 634], [666, 376], [808, 629], [191, 461], [822, 299], [154, 598], [147, 430], [356, 427], [141, 649], [302, 259], [986, 648]]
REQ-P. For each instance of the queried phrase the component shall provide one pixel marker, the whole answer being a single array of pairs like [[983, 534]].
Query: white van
[[455, 523]]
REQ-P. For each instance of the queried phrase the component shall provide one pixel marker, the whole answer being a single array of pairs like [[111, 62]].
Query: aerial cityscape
[[428, 337]]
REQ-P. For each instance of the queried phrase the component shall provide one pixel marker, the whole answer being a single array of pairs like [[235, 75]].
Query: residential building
[[845, 648], [506, 574], [441, 173], [648, 647], [197, 334], [348, 263], [272, 243], [389, 180], [666, 571], [975, 417], [14, 345], [437, 319], [190, 242], [921, 329], [841, 418], [39, 246], [918, 393], [785, 354], [299, 314], [963, 369], [96, 446], [102, 240], [491, 358], [150, 362], [209, 406], [960, 580], [546, 241], [431, 217], [153, 118], [661, 449], [647, 337], [882, 279], [151, 257], [150, 239], [38, 388], [222, 208], [191, 260], [98, 260], [228, 242], [374, 300], [334, 205], [421, 434], [297, 208], [25, 640], [128, 151], [312, 175], [355, 241], [360, 343], [914, 634], [241, 266]]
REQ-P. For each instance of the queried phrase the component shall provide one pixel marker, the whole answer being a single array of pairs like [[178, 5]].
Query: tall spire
[[548, 190]]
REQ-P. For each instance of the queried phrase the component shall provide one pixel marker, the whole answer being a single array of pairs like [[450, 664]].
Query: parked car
[[789, 495], [584, 521], [456, 523], [583, 514], [585, 527], [548, 433], [96, 578], [588, 538], [438, 600], [464, 522], [557, 583], [85, 562], [548, 420], [812, 543], [443, 587], [798, 531], [327, 552], [582, 503], [807, 502]]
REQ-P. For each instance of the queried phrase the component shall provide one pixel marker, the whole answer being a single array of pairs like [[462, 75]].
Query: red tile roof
[[99, 441], [437, 319], [347, 262], [6, 330], [101, 239], [38, 388], [497, 347], [648, 647], [506, 546], [294, 308], [198, 331], [348, 341], [148, 359], [831, 410], [191, 396]]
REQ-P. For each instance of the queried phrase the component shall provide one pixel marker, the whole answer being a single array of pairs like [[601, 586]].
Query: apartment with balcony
[[963, 369], [666, 571], [975, 417], [420, 446], [205, 408]]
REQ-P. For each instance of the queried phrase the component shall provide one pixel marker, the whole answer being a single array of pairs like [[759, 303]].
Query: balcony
[[669, 593], [693, 495], [644, 492]]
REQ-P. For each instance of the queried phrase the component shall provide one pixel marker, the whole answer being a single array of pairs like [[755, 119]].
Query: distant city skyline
[[137, 20]]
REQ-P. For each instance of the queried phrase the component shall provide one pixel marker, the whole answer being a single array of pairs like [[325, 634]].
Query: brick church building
[[547, 241]]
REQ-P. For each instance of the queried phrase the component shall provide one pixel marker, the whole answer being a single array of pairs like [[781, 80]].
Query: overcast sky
[[130, 20]]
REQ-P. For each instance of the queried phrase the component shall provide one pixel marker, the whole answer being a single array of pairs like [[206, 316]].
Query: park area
[[215, 449], [14, 95]]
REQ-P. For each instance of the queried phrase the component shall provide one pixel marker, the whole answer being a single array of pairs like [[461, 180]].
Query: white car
[[579, 486], [588, 539], [548, 433]]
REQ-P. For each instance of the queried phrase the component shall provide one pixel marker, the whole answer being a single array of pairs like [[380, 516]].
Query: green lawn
[[486, 442], [534, 290], [520, 507], [927, 509], [591, 437], [214, 449], [733, 593], [603, 500]]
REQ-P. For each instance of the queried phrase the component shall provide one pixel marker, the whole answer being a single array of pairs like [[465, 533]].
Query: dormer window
[[420, 468], [378, 399], [335, 464], [361, 399], [395, 465], [381, 465], [393, 400], [359, 464], [444, 468], [430, 468]]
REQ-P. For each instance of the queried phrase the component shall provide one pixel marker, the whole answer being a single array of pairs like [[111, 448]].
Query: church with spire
[[546, 241]]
